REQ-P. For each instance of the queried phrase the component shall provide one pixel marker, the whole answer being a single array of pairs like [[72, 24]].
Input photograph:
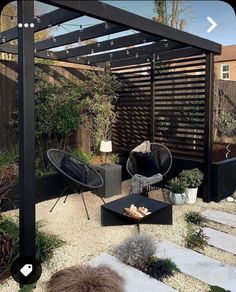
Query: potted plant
[[177, 193], [191, 179]]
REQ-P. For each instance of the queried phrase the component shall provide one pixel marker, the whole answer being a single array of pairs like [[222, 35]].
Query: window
[[225, 72]]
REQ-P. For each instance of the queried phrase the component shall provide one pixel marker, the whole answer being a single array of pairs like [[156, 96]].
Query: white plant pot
[[177, 199], [191, 195]]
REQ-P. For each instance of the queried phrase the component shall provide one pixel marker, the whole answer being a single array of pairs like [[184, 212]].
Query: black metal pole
[[25, 12], [208, 127], [152, 134]]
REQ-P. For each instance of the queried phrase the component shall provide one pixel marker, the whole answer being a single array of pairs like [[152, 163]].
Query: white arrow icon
[[212, 22]]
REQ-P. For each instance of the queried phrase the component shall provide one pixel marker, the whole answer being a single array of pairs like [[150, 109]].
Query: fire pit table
[[112, 213]]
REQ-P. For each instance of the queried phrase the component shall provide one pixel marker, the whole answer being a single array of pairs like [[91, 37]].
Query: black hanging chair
[[79, 177]]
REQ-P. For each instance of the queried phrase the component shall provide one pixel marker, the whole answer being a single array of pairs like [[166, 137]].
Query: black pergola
[[151, 41]]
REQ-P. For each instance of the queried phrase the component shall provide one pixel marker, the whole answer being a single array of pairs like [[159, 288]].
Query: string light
[[106, 25], [88, 62], [98, 45], [111, 55], [144, 41], [112, 43], [166, 45], [81, 27], [38, 20], [136, 55], [127, 52], [54, 39], [47, 54], [35, 50], [157, 57], [92, 51], [78, 58], [67, 51], [3, 39], [79, 40]]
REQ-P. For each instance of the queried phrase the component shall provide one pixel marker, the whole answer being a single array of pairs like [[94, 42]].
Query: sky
[[221, 12]]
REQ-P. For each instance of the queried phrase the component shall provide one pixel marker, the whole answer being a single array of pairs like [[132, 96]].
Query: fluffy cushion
[[147, 164], [86, 279], [77, 171]]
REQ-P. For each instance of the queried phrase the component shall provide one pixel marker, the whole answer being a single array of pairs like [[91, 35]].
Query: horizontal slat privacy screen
[[133, 107], [178, 105]]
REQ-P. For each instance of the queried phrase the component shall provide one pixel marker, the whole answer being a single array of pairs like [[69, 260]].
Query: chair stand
[[85, 206], [59, 199]]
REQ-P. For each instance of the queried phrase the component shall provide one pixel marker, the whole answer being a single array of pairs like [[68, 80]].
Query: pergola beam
[[50, 19], [76, 36], [172, 54], [133, 52], [101, 10], [112, 44]]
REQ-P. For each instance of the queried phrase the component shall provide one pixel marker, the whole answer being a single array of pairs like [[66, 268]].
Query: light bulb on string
[[78, 58], [106, 25], [67, 51], [89, 62], [81, 28], [111, 55], [3, 39], [98, 45], [166, 45], [136, 55], [111, 43], [127, 52], [92, 51], [54, 39], [38, 19], [35, 50]]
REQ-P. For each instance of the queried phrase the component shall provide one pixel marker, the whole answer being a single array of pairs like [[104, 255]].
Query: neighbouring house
[[225, 64]]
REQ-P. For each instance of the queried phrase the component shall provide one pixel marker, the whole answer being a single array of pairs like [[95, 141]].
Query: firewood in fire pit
[[136, 212]]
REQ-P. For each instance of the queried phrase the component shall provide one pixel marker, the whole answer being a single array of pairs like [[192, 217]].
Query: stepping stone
[[220, 217], [199, 266], [135, 280], [220, 239]]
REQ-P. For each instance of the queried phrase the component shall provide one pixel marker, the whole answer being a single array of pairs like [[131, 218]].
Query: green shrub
[[9, 156], [195, 239], [136, 250], [27, 288], [85, 156], [191, 178], [45, 243], [176, 186], [195, 218], [217, 289], [161, 268]]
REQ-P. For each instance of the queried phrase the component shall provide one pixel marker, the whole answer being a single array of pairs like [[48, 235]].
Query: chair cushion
[[74, 170], [147, 164]]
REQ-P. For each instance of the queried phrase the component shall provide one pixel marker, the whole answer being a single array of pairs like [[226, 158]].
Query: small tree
[[99, 108]]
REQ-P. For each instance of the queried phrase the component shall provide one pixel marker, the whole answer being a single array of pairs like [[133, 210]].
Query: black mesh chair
[[93, 179], [164, 158]]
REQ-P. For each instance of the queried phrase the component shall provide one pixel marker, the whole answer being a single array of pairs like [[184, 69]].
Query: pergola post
[[25, 12], [208, 128]]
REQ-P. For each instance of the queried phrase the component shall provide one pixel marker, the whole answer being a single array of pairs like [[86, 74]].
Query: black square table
[[112, 213], [111, 173]]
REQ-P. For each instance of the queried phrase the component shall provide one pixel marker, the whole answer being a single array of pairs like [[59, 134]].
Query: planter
[[191, 195], [177, 199]]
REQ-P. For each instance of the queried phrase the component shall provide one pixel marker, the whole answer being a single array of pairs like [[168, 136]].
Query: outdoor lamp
[[106, 147]]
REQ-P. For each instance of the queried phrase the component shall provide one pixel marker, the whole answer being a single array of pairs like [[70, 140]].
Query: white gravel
[[87, 239]]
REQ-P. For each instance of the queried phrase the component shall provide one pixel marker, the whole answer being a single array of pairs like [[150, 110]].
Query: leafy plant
[[195, 218], [176, 186], [27, 288], [196, 239], [136, 250], [217, 289], [85, 156], [99, 108], [5, 251], [45, 243], [161, 268], [191, 178], [9, 156]]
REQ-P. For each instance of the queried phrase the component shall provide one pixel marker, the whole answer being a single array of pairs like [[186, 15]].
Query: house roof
[[228, 54]]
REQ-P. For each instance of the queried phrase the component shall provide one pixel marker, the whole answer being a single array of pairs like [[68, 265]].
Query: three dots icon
[[26, 25]]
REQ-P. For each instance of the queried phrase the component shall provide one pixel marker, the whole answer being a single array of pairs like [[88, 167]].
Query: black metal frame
[[178, 43]]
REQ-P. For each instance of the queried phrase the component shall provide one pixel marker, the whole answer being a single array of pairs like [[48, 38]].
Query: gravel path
[[87, 239]]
